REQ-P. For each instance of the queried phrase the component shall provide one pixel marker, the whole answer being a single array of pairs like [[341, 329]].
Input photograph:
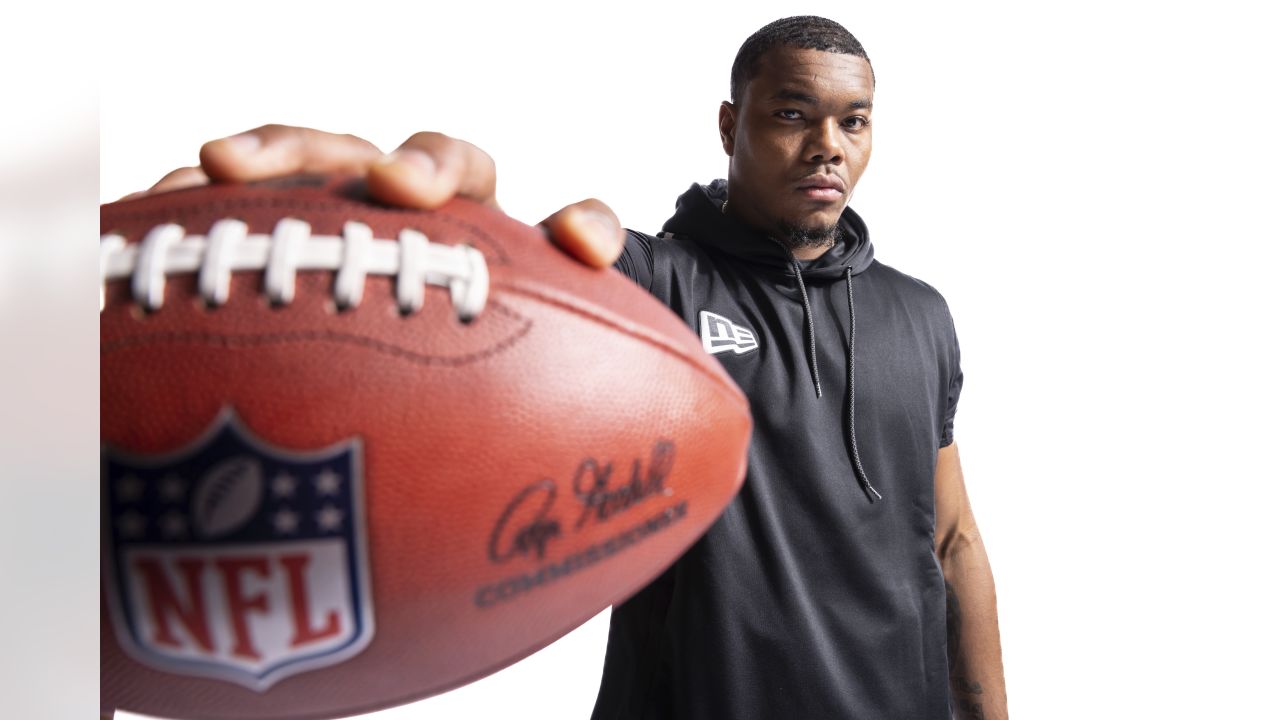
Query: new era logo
[[719, 335]]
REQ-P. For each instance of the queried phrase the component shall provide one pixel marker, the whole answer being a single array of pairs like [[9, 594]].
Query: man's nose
[[824, 142]]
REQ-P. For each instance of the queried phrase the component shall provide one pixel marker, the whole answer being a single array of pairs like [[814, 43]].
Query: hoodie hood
[[698, 216]]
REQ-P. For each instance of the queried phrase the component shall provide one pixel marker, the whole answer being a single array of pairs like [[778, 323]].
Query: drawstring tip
[[872, 494]]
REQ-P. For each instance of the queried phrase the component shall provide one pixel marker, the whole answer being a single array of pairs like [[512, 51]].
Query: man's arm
[[973, 633]]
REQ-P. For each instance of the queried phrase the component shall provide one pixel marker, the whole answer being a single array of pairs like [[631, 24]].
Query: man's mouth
[[822, 187]]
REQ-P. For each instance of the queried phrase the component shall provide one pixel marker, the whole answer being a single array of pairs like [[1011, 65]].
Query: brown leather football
[[355, 455]]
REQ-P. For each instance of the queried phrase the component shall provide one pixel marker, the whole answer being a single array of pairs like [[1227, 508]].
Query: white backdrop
[[1091, 185]]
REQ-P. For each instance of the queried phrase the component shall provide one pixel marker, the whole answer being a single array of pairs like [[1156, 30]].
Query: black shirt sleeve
[[954, 382], [636, 260]]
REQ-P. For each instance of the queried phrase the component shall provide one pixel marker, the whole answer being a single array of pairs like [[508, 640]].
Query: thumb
[[588, 231]]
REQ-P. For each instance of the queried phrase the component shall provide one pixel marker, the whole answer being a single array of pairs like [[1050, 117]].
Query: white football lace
[[412, 259]]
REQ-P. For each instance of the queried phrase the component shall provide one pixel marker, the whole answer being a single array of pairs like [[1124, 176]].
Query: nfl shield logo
[[236, 560]]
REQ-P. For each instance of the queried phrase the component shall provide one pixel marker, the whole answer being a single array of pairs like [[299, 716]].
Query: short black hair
[[802, 32]]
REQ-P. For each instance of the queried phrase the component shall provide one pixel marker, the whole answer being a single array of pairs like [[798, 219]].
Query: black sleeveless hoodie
[[817, 593]]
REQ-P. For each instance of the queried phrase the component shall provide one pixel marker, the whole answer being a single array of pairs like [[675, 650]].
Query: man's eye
[[857, 122], [789, 114]]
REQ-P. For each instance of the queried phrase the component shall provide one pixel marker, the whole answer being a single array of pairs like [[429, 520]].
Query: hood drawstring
[[863, 480], [871, 492], [808, 320]]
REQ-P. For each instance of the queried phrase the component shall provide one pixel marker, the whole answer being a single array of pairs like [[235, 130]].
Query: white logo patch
[[719, 335]]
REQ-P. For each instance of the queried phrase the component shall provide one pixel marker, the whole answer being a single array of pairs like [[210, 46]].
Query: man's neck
[[803, 253], [810, 253]]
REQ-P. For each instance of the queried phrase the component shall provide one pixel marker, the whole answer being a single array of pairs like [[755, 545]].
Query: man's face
[[798, 140]]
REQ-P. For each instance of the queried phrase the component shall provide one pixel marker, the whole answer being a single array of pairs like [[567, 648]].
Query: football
[[356, 455]]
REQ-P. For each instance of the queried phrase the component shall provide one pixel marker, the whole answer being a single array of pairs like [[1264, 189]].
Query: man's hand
[[424, 172]]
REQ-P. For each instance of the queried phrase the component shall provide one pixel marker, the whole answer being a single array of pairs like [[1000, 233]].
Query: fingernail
[[418, 162], [600, 223], [244, 143]]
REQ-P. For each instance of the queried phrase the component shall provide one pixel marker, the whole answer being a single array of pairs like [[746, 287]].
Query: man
[[848, 578]]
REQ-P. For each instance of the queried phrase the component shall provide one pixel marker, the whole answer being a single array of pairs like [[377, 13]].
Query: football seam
[[229, 341], [648, 336]]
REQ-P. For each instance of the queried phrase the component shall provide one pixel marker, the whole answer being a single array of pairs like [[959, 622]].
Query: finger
[[176, 180], [430, 168], [280, 150], [588, 231]]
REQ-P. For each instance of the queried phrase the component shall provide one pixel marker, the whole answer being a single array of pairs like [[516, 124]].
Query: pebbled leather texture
[[566, 371]]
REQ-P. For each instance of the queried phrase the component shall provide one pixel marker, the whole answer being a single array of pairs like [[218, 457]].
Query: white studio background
[[1091, 185]]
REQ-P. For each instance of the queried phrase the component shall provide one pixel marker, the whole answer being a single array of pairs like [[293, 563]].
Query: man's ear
[[728, 126]]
